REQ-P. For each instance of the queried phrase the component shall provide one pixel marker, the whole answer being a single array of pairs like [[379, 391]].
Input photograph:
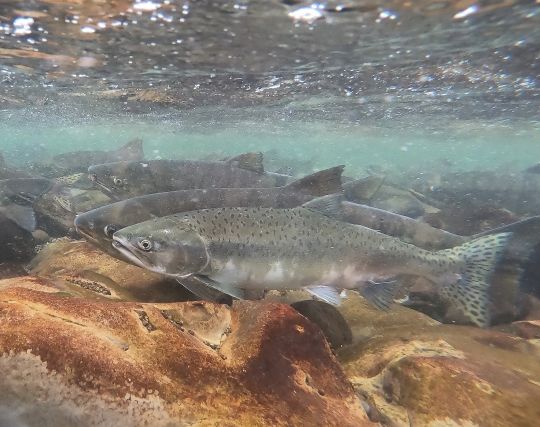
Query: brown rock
[[79, 265], [327, 317], [70, 361], [527, 329], [412, 371]]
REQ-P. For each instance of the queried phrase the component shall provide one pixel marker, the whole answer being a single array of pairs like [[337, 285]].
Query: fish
[[8, 172], [374, 191], [81, 160], [533, 169], [407, 229], [235, 249], [490, 189], [17, 195], [124, 180], [98, 225]]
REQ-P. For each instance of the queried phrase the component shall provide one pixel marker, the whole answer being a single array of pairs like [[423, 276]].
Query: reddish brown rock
[[527, 329], [82, 268], [70, 361], [413, 371]]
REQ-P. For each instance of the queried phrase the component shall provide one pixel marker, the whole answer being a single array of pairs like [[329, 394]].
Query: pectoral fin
[[203, 291], [222, 287]]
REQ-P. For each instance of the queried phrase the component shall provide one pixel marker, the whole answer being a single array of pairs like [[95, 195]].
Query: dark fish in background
[[403, 227], [17, 216], [533, 169], [275, 161], [262, 248], [17, 196], [8, 172], [18, 242], [469, 191], [124, 180], [99, 224], [56, 210], [81, 160], [376, 192]]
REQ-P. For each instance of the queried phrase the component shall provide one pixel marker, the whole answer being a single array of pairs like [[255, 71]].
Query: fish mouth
[[86, 235], [81, 230], [103, 187], [123, 246]]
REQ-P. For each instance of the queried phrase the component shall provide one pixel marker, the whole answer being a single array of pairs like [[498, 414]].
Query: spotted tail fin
[[471, 292]]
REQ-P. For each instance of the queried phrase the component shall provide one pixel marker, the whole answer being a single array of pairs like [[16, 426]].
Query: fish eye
[[145, 244], [117, 181], [110, 229]]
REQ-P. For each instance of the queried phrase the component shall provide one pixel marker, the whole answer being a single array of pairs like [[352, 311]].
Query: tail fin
[[471, 292]]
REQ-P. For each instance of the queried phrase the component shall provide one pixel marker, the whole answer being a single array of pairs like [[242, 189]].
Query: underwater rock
[[528, 329], [328, 318], [79, 265], [71, 361], [18, 243], [413, 371]]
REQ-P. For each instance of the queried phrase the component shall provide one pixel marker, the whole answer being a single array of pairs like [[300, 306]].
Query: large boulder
[[68, 361], [414, 371], [79, 267]]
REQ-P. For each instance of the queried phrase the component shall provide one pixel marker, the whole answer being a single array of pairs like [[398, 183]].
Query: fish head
[[95, 228], [119, 179], [175, 252]]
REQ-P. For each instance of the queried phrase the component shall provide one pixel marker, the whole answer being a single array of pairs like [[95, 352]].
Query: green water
[[464, 145]]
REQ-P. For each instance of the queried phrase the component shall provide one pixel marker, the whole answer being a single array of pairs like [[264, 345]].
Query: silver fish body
[[298, 248], [99, 224], [17, 195], [131, 179]]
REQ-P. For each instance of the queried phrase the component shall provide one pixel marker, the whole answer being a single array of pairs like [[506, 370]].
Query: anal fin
[[327, 294], [381, 295], [200, 289]]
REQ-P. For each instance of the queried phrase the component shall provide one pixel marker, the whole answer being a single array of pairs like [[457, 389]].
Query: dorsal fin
[[329, 205], [363, 189], [533, 169], [248, 161], [327, 181], [131, 150]]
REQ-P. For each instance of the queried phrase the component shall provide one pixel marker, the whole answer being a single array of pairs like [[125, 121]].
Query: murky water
[[433, 106]]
